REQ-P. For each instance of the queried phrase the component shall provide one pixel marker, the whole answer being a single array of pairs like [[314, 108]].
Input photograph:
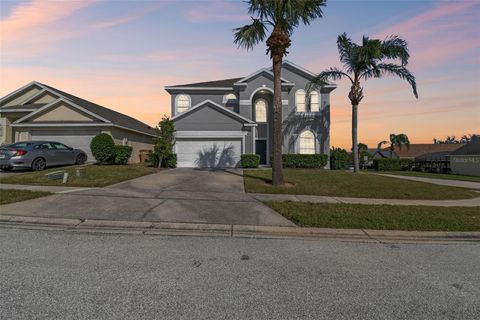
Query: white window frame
[[227, 100], [176, 102], [266, 111], [312, 108], [300, 103], [309, 149]]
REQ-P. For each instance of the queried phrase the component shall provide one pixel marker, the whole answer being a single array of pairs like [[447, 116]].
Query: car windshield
[[19, 145]]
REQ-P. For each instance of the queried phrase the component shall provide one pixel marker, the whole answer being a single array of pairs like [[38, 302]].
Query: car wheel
[[81, 158], [38, 164]]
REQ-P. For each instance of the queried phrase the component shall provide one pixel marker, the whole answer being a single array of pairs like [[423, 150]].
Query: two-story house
[[217, 121]]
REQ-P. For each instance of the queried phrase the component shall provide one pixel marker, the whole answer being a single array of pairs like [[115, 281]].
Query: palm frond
[[322, 78], [348, 51], [250, 35], [308, 10], [394, 47], [399, 71], [380, 144]]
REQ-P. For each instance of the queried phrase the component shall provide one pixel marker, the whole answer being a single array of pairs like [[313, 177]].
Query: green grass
[[347, 184], [446, 176], [380, 217], [11, 195], [96, 176]]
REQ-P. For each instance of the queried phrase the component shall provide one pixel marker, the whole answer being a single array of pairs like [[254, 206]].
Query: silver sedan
[[38, 155]]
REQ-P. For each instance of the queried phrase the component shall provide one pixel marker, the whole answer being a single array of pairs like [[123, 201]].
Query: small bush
[[103, 148], [304, 160], [250, 160], [338, 158], [392, 164], [122, 154], [170, 161]]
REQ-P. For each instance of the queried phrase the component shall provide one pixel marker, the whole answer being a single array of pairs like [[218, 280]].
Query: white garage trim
[[213, 134]]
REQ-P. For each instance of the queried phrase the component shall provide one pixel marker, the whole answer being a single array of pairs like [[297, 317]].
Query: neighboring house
[[217, 121], [422, 150], [40, 112], [466, 160]]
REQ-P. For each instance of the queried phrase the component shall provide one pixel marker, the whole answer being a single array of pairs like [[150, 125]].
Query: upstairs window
[[300, 100], [307, 142], [261, 111], [182, 103], [314, 102]]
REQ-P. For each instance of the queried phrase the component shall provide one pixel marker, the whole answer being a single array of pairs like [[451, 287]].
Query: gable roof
[[260, 71], [471, 148], [422, 149], [220, 108], [117, 118]]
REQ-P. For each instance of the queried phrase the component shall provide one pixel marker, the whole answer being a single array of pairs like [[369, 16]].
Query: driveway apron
[[176, 195]]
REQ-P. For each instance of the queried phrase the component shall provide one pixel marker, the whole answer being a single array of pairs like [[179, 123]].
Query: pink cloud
[[130, 17], [216, 11]]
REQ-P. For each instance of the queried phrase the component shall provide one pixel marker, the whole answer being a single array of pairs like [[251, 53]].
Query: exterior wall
[[44, 98], [197, 97], [21, 97], [468, 165], [137, 141], [62, 113], [207, 118]]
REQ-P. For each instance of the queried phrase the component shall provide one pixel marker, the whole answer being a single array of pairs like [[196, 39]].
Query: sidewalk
[[474, 202], [443, 182], [52, 189], [233, 230]]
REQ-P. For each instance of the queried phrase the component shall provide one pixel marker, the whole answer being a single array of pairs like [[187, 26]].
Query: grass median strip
[[347, 184], [13, 195], [95, 176], [379, 217]]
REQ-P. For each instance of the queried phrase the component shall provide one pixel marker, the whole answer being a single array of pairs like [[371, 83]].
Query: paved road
[[443, 182], [57, 275], [179, 195]]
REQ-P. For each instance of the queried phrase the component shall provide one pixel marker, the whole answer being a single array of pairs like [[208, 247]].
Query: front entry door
[[261, 150]]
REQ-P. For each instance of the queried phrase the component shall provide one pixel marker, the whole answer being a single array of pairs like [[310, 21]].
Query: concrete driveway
[[178, 195]]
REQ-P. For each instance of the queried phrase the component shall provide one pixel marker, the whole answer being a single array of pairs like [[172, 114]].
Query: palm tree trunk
[[277, 166], [356, 167]]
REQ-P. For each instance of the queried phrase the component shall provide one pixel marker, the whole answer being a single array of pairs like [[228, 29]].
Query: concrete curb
[[228, 230]]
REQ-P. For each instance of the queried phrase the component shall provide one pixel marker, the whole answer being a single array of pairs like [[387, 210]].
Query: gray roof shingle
[[109, 114], [210, 84]]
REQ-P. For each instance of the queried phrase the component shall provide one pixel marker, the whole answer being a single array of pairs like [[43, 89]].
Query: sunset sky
[[121, 54]]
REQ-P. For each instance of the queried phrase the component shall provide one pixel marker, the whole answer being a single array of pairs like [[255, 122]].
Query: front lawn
[[380, 217], [446, 176], [12, 195], [347, 184], [95, 176]]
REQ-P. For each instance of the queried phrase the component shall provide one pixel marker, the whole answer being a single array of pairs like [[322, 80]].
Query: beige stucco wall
[[62, 112], [135, 140], [23, 97], [44, 98], [468, 165]]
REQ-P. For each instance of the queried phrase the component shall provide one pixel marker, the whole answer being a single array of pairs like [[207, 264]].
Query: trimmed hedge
[[103, 148], [304, 160], [338, 158], [392, 164], [122, 154], [250, 160]]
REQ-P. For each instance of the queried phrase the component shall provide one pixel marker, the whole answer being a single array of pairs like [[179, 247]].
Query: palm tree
[[372, 59], [396, 141], [281, 17]]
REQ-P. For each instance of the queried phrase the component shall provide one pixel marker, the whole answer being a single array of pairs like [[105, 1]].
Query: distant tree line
[[452, 139]]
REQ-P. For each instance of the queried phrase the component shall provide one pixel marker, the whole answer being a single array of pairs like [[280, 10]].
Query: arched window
[[229, 98], [307, 142], [182, 103], [261, 111], [314, 102], [300, 100]]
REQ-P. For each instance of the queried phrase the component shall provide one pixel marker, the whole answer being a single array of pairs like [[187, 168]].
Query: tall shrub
[[163, 148], [103, 148], [338, 158]]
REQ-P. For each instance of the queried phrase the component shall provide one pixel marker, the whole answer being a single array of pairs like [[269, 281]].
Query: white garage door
[[80, 140], [208, 153]]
